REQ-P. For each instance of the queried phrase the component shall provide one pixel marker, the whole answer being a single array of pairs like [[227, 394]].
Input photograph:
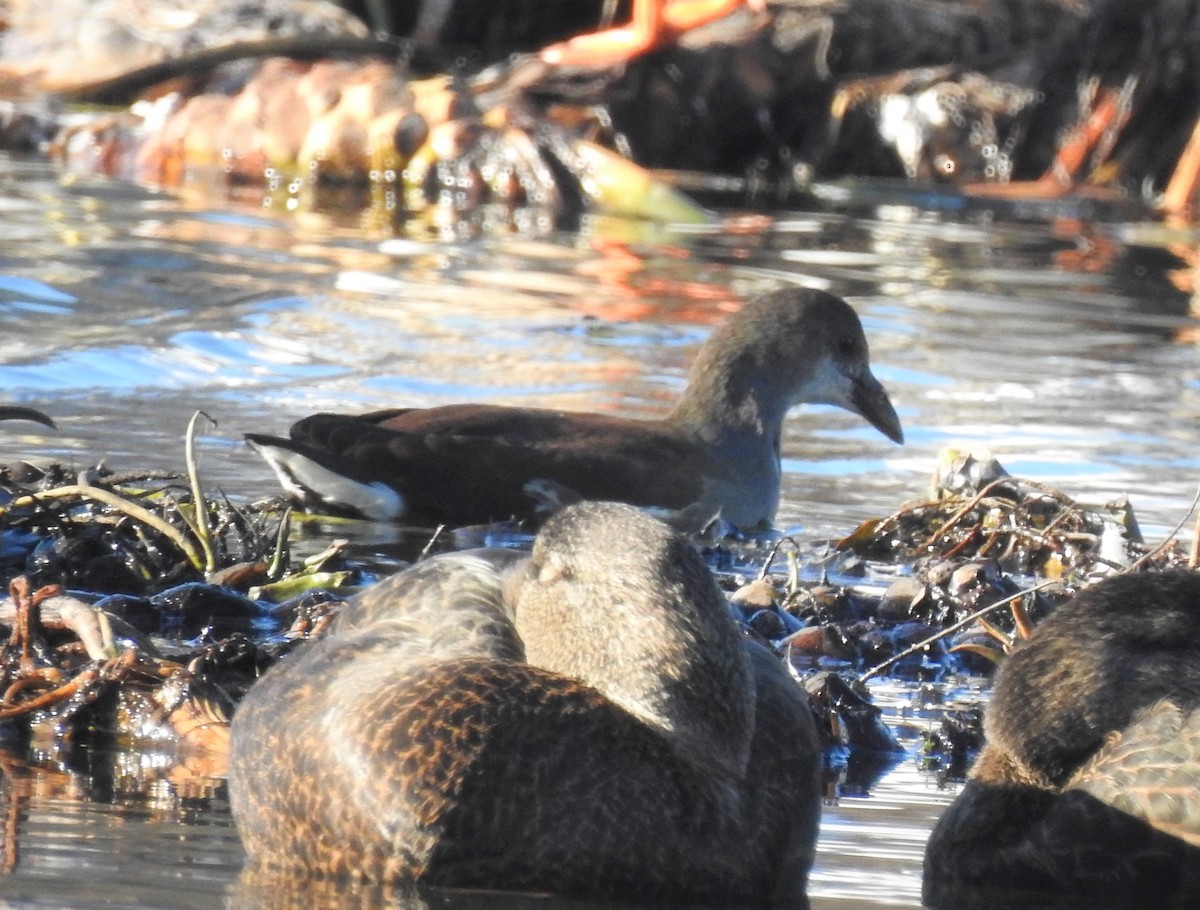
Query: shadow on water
[[1060, 336]]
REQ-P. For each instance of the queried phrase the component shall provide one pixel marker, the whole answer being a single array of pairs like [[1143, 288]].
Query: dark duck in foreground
[[588, 721], [1088, 788], [716, 452]]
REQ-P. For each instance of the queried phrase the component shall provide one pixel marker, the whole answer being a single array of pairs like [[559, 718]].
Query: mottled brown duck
[[716, 452], [1088, 788], [588, 721]]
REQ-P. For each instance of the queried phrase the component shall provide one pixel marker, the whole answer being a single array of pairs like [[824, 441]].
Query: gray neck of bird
[[731, 397]]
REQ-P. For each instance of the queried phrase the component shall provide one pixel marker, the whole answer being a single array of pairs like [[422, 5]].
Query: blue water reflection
[[1059, 336]]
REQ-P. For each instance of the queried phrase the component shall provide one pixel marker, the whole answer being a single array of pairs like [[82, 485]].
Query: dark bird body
[[1088, 788]]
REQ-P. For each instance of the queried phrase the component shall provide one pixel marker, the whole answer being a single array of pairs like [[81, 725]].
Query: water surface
[[1057, 336]]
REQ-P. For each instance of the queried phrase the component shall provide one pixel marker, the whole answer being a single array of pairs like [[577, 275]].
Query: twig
[[282, 553], [967, 507], [1146, 557], [432, 540], [199, 504], [1194, 550], [775, 548], [913, 649]]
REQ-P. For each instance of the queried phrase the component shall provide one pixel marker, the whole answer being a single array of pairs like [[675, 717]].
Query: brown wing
[[464, 464]]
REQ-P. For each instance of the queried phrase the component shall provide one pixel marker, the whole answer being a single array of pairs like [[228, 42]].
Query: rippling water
[[1057, 336]]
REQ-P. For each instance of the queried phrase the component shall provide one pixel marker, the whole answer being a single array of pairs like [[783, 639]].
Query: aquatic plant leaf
[[298, 584], [616, 184]]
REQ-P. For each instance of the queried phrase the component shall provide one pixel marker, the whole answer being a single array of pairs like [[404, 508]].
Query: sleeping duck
[[589, 720], [1088, 788]]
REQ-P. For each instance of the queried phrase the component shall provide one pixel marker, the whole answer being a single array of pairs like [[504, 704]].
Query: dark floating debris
[[982, 560], [140, 609]]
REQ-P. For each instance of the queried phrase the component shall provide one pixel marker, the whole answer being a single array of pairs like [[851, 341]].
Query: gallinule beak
[[590, 720], [716, 452], [1087, 789], [15, 412]]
